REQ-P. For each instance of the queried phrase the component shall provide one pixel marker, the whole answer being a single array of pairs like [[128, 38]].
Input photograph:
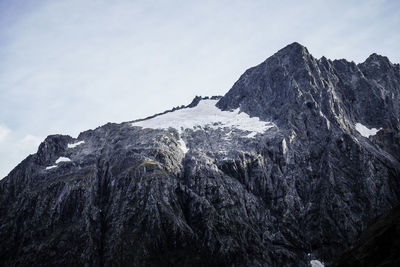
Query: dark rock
[[131, 196], [379, 244]]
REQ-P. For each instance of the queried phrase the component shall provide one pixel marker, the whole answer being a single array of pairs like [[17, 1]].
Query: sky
[[71, 65]]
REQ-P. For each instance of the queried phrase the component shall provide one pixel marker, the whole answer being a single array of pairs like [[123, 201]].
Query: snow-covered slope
[[206, 114]]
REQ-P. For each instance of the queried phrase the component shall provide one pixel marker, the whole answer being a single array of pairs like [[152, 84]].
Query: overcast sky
[[71, 65]]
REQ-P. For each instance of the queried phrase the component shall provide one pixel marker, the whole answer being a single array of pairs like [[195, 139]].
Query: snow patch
[[62, 159], [76, 144], [251, 135], [316, 263], [284, 146], [182, 146], [364, 131], [51, 167], [206, 114]]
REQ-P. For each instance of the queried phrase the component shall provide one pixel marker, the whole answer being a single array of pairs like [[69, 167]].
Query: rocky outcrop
[[379, 244], [300, 187]]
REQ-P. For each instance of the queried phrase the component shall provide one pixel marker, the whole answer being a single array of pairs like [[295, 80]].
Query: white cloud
[[4, 132], [30, 142], [15, 150]]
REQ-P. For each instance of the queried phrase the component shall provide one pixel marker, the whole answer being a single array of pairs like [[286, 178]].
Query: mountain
[[286, 169], [379, 244]]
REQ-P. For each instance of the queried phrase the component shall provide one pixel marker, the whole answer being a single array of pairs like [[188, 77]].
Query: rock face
[[379, 244], [277, 175]]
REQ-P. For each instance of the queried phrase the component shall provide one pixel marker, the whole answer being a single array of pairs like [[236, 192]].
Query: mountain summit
[[285, 169]]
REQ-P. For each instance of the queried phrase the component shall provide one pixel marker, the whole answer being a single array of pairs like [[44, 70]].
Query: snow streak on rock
[[75, 144], [316, 263], [62, 159], [51, 167], [182, 146]]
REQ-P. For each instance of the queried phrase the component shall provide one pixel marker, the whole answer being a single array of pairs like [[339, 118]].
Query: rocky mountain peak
[[286, 82], [51, 147], [285, 169], [378, 60], [293, 82], [293, 51], [380, 69]]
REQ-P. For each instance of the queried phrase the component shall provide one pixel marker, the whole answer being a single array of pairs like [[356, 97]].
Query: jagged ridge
[[297, 192]]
